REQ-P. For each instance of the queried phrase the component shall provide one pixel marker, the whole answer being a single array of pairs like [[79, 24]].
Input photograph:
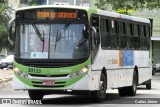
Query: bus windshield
[[52, 41]]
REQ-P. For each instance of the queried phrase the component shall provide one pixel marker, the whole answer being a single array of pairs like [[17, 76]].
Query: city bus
[[79, 50]]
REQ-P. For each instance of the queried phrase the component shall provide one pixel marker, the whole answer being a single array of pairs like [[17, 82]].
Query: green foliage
[[4, 19], [101, 4], [128, 4]]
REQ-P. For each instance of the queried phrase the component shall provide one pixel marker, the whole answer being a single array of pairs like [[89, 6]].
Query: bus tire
[[35, 94], [100, 95], [133, 89], [148, 85], [123, 91], [154, 71]]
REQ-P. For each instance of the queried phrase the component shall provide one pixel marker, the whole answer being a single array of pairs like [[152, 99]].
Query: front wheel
[[35, 94], [101, 93]]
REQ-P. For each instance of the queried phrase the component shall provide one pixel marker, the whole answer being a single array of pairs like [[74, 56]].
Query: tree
[[4, 19], [127, 4]]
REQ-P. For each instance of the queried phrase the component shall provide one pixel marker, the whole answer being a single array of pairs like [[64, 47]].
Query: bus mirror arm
[[94, 29], [10, 32], [97, 35]]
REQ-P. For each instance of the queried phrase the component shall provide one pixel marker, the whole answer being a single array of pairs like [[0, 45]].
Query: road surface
[[112, 97]]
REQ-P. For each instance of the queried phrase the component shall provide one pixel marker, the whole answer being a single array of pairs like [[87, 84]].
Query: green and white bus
[[80, 50]]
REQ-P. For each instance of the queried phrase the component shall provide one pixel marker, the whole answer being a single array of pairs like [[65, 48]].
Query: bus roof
[[99, 12], [53, 6], [122, 16]]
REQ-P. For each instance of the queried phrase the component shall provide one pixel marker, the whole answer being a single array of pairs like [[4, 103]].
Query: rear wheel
[[35, 94], [133, 89], [148, 85], [154, 71]]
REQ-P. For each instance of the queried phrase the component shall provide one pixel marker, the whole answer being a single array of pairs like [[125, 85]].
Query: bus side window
[[113, 34], [104, 33], [95, 21], [122, 35], [148, 36], [131, 37], [139, 30], [143, 37], [136, 37]]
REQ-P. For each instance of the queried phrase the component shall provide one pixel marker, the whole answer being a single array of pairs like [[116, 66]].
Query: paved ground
[[6, 76], [112, 97]]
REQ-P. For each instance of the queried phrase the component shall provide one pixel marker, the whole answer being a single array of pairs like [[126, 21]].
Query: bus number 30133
[[34, 70]]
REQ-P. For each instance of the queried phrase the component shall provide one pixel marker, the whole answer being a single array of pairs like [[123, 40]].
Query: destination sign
[[51, 14], [55, 15]]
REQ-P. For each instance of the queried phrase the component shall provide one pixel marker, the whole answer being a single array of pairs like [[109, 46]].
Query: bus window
[[107, 25], [124, 28], [139, 30], [145, 31], [122, 42], [113, 35], [113, 41], [144, 38], [104, 33], [128, 29], [131, 28], [135, 30], [134, 42], [95, 21]]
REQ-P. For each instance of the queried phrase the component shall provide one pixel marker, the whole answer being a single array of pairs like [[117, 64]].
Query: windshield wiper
[[38, 32], [41, 37], [59, 36]]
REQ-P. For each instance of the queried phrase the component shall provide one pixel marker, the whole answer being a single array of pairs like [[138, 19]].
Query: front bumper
[[88, 82]]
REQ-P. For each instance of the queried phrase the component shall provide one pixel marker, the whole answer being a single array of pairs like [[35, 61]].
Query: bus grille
[[37, 75], [56, 85]]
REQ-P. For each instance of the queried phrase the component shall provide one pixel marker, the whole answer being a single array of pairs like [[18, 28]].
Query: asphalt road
[[112, 97]]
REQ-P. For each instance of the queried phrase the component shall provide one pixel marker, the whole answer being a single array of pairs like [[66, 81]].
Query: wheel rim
[[135, 83], [102, 90]]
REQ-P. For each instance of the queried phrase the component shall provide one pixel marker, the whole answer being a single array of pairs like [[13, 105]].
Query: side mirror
[[10, 31]]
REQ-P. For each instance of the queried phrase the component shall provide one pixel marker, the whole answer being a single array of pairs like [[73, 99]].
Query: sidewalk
[[6, 76]]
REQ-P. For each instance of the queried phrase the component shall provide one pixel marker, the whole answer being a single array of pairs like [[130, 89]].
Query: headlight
[[20, 73], [79, 73], [16, 70]]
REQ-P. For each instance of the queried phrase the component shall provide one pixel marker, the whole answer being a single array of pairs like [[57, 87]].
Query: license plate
[[48, 83]]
